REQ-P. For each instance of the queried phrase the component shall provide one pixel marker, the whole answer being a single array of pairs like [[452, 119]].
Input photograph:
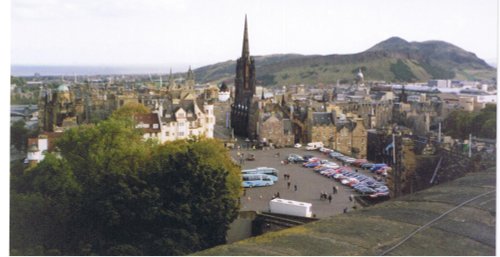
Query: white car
[[297, 145]]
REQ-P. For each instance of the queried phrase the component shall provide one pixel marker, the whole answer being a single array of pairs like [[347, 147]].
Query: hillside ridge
[[392, 60]]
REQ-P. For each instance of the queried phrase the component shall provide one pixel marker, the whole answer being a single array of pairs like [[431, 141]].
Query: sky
[[197, 33]]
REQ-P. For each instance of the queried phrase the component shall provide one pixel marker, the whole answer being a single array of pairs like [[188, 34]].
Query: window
[[181, 124], [181, 134]]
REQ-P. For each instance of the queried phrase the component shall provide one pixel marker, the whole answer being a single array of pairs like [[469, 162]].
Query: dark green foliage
[[111, 193], [460, 124], [437, 72], [267, 79], [19, 135], [402, 72], [18, 81]]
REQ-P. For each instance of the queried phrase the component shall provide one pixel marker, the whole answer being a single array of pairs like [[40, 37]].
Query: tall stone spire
[[246, 51]]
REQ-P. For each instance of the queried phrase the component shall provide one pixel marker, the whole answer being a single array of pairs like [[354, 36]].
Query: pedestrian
[[244, 191], [356, 170], [351, 197], [295, 187], [345, 210], [282, 162], [284, 174], [278, 154], [288, 175], [330, 198], [278, 195], [288, 184], [336, 189]]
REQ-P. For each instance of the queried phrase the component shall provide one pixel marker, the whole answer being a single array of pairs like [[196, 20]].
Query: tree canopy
[[112, 193], [459, 124]]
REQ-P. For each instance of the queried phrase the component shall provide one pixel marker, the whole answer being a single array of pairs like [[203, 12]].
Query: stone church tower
[[243, 110]]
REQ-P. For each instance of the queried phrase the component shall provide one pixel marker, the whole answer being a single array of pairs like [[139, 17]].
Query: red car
[[359, 162]]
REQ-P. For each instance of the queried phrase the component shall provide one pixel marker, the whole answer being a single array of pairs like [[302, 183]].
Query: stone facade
[[276, 130], [59, 110], [351, 138], [243, 110]]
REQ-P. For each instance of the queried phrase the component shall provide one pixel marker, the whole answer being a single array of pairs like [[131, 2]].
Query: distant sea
[[45, 70]]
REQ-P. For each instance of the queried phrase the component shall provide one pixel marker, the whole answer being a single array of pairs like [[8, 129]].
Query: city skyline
[[197, 33]]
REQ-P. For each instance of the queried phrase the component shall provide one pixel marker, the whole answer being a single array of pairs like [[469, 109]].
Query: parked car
[[307, 157], [359, 162], [366, 190], [377, 166], [297, 145], [250, 157], [335, 154], [350, 160], [295, 158], [367, 165], [311, 164]]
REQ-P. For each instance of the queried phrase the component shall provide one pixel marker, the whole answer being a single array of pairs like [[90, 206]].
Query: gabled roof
[[150, 119], [322, 118]]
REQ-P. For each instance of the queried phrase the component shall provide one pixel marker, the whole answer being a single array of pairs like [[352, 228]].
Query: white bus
[[256, 180], [263, 170]]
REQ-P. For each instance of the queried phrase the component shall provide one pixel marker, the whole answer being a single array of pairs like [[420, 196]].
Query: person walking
[[351, 197], [345, 210], [278, 195], [288, 184], [330, 198], [295, 187]]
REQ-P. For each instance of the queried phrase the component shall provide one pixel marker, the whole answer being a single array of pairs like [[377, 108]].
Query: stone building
[[244, 114], [59, 110], [322, 128], [275, 129], [181, 119], [351, 138]]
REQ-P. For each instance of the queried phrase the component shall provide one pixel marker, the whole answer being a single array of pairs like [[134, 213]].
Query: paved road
[[309, 184]]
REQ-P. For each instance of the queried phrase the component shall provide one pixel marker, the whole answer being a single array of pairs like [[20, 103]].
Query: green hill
[[392, 60]]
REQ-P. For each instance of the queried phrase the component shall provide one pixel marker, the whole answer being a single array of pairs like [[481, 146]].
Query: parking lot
[[309, 183]]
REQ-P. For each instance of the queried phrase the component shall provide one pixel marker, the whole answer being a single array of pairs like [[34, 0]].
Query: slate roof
[[456, 218], [187, 105], [150, 119], [322, 118], [351, 125]]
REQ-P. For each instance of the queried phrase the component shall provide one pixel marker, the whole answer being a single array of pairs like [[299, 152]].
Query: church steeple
[[245, 52]]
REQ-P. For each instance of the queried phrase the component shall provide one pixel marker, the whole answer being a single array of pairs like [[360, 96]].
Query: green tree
[[211, 186], [113, 193], [41, 208], [128, 110], [19, 135]]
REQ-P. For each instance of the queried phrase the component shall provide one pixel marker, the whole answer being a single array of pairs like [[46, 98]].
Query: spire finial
[[246, 51]]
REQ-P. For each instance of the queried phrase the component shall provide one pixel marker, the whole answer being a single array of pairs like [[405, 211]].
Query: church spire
[[246, 51]]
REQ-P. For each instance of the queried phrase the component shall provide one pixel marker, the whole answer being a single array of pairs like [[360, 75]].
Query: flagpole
[[470, 145], [393, 149]]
